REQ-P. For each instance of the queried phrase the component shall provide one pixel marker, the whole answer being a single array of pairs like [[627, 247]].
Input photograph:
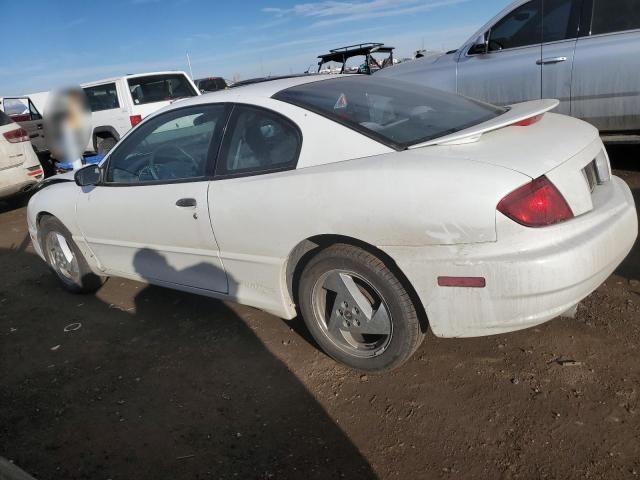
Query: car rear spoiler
[[525, 113]]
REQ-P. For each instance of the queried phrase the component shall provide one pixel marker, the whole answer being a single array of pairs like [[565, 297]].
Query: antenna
[[189, 62]]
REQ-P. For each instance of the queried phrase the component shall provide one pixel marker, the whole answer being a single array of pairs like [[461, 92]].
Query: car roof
[[263, 89], [132, 75]]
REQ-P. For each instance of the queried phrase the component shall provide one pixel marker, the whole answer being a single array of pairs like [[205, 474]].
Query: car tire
[[17, 201], [106, 145], [334, 290], [66, 262]]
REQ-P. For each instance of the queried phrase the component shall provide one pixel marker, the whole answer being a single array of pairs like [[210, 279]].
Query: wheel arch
[[308, 248], [104, 131]]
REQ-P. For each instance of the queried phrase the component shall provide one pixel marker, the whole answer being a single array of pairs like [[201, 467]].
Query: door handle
[[551, 61], [186, 202], [40, 127]]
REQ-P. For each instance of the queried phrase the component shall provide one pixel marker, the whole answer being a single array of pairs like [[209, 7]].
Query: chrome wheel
[[61, 258], [352, 313]]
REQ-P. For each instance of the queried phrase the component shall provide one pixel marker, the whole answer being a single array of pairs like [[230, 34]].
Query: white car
[[118, 104], [375, 208], [20, 169]]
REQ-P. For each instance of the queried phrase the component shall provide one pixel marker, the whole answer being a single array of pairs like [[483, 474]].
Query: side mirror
[[88, 176], [480, 46]]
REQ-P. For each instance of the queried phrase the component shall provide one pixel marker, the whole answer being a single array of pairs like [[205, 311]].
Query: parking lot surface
[[151, 383]]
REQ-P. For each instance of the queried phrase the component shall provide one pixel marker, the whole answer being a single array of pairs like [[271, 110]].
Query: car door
[[22, 111], [149, 216], [559, 33], [606, 82], [259, 144], [508, 71]]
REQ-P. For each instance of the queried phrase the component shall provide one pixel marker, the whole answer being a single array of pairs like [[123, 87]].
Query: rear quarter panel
[[606, 81]]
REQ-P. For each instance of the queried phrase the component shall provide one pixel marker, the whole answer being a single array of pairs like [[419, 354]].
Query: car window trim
[[211, 156], [224, 145]]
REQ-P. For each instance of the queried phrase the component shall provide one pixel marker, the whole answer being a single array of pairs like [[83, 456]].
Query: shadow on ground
[[625, 160], [170, 386]]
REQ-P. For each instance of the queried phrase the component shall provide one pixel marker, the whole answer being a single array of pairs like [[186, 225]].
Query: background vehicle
[[582, 52], [365, 50], [20, 169], [284, 194], [118, 104], [211, 84], [24, 112]]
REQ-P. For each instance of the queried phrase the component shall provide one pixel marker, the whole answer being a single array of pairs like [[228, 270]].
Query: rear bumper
[[16, 180], [532, 275]]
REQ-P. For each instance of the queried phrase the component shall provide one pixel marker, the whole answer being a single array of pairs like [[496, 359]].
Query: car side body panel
[[606, 83]]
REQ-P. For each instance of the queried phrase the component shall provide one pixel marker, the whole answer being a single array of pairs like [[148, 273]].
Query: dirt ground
[[164, 385]]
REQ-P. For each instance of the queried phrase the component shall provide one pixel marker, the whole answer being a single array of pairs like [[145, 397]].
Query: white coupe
[[372, 207]]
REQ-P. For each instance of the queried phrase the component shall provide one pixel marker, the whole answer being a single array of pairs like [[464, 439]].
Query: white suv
[[118, 104], [20, 169]]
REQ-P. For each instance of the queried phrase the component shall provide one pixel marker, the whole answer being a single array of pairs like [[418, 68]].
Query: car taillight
[[135, 120], [17, 136], [537, 204], [529, 121]]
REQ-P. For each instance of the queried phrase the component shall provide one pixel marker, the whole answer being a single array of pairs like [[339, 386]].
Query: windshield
[[160, 88], [396, 113]]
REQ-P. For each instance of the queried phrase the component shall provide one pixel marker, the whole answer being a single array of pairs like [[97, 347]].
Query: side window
[[258, 141], [102, 97], [174, 146], [560, 20], [615, 16], [520, 28]]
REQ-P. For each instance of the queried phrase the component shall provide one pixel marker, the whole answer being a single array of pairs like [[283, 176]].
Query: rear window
[[160, 88], [4, 119], [102, 97], [396, 113], [615, 16], [212, 84]]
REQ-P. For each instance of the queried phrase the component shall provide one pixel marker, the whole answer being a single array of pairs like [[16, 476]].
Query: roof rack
[[342, 54]]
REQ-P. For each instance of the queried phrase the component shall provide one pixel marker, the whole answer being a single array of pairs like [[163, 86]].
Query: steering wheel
[[165, 150]]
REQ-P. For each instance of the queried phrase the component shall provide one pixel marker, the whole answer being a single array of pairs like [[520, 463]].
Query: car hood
[[413, 66]]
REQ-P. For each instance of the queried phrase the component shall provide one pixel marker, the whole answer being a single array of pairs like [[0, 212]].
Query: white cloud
[[329, 12]]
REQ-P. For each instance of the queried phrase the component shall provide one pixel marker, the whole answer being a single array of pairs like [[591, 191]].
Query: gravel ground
[[160, 384]]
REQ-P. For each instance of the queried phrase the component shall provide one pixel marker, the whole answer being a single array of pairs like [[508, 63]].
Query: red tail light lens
[[537, 204], [17, 136], [529, 121], [135, 120]]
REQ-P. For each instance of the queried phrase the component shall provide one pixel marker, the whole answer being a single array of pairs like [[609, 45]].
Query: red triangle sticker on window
[[341, 103]]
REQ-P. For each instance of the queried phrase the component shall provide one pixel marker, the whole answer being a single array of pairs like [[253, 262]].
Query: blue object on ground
[[68, 166]]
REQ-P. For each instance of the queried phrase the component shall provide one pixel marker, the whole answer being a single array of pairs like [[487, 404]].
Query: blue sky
[[53, 43]]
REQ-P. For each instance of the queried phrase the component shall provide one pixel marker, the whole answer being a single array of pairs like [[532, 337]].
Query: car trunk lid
[[569, 152]]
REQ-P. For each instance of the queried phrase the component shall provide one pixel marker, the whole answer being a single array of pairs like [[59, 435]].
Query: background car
[[211, 84], [24, 112], [372, 207], [117, 104], [582, 52], [20, 169]]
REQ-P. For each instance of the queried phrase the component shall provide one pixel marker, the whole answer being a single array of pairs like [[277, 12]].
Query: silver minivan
[[586, 53]]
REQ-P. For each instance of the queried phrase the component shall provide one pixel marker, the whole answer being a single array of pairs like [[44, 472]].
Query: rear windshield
[[4, 119], [160, 88], [396, 113]]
